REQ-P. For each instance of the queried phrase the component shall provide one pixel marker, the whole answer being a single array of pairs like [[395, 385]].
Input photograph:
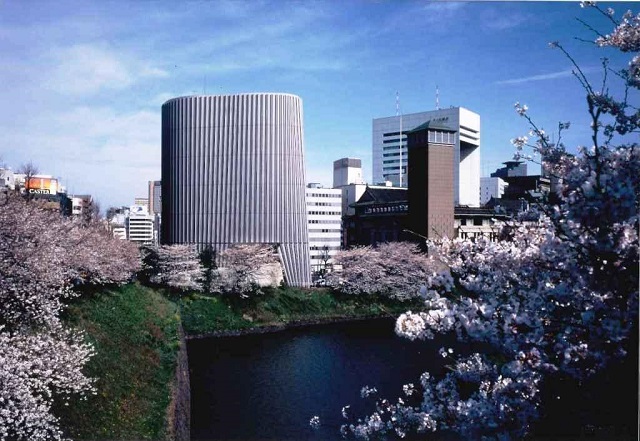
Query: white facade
[[347, 171], [7, 179], [119, 232], [324, 218], [491, 188], [389, 148], [80, 204], [140, 225]]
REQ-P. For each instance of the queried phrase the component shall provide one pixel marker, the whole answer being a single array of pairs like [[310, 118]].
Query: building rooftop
[[432, 125]]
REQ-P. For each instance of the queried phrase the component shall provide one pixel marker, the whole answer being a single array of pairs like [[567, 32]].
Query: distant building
[[383, 215], [347, 171], [144, 202], [155, 197], [7, 179], [324, 217], [380, 215], [389, 148], [81, 204], [511, 168], [347, 176], [139, 225], [491, 188], [472, 222]]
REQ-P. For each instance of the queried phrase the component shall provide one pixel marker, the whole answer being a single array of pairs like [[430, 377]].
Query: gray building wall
[[233, 173]]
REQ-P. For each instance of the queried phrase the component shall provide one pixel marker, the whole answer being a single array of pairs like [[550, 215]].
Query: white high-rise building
[[347, 176], [324, 218], [491, 188], [140, 225], [389, 147], [347, 171]]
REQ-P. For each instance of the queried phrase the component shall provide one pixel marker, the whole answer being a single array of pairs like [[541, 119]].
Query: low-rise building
[[324, 218], [491, 187], [140, 225]]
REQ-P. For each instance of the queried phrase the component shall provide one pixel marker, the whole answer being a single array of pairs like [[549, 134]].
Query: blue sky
[[82, 82]]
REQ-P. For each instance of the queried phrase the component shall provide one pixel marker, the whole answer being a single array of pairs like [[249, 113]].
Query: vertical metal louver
[[234, 172]]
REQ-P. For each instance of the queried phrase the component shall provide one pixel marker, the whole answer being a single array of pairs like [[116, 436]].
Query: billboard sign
[[36, 185]]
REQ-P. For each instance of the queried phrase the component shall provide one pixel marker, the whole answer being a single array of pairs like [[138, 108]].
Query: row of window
[[391, 209], [324, 204], [326, 230], [476, 221], [394, 147], [395, 161], [323, 248], [334, 213], [394, 169], [324, 195], [321, 221], [386, 155], [389, 141]]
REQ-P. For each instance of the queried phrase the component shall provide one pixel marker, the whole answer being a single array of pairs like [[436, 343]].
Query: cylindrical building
[[233, 173]]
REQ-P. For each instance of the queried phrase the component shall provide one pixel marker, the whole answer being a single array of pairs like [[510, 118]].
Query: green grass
[[135, 334], [205, 315]]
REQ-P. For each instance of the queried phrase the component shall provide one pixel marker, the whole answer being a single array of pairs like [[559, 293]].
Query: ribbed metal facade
[[233, 172]]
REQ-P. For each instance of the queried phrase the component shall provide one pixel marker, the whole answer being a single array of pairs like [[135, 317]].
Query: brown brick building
[[430, 194]]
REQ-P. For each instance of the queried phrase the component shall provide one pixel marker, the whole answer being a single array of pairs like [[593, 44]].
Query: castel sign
[[47, 186]]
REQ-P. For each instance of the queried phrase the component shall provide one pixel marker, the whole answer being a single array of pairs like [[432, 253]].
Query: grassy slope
[[134, 331], [204, 315]]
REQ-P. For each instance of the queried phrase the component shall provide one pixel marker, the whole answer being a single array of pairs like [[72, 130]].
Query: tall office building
[[233, 173], [324, 215], [155, 197], [389, 148]]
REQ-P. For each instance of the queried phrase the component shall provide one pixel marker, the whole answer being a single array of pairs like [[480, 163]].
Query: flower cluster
[[43, 257], [396, 270], [174, 266], [557, 296], [243, 269]]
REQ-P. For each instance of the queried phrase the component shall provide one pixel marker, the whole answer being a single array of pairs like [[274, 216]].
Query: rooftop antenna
[[399, 113], [437, 98]]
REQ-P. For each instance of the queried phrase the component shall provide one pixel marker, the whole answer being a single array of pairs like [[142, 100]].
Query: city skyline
[[83, 82]]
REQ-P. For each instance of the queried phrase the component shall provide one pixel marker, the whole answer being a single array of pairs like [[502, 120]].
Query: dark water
[[268, 386]]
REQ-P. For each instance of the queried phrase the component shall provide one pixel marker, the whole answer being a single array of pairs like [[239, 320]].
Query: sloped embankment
[[135, 332]]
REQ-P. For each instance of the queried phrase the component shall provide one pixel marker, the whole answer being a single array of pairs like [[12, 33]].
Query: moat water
[[268, 386]]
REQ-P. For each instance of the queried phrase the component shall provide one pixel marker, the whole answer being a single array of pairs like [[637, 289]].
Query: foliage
[[134, 331], [244, 269], [174, 266], [42, 257], [396, 270], [558, 298], [203, 315]]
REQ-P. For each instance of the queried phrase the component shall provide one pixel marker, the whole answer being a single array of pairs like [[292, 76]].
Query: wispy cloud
[[546, 76], [86, 69], [500, 20]]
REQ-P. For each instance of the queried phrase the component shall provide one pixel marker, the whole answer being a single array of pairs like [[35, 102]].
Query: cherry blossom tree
[[395, 269], [243, 269], [43, 256], [175, 266], [557, 297]]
